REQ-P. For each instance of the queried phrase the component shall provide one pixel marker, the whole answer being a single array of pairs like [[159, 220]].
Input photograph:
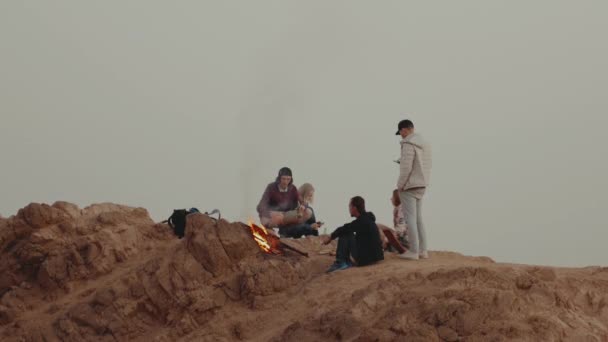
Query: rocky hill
[[109, 273]]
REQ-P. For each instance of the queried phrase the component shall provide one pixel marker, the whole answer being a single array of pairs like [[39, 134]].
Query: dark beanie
[[285, 171]]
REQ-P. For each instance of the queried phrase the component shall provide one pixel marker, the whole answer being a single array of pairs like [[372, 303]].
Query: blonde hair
[[305, 189]]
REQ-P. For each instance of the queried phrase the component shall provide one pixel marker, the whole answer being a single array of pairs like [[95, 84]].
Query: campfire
[[267, 242], [270, 243]]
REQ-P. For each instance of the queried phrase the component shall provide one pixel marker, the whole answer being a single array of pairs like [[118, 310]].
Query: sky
[[167, 105]]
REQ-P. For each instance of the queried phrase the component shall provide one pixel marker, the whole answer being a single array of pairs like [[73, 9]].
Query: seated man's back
[[367, 238], [359, 239]]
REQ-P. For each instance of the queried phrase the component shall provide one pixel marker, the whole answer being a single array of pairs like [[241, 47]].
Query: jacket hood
[[414, 139], [368, 215]]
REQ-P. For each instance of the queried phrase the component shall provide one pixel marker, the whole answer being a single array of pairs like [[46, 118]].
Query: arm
[[348, 228], [308, 214], [295, 213], [395, 216], [263, 208], [294, 197], [405, 165]]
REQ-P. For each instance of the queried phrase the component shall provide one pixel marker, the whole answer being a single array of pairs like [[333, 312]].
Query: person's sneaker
[[337, 266], [409, 255], [424, 255]]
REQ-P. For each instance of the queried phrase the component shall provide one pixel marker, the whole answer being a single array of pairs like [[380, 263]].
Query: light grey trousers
[[412, 211]]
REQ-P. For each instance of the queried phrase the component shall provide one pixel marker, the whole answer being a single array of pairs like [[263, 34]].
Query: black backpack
[[177, 220]]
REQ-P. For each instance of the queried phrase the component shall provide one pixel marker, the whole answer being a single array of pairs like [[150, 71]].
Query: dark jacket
[[275, 200], [367, 238], [312, 220]]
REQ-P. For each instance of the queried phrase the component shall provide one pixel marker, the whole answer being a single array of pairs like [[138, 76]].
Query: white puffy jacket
[[415, 163]]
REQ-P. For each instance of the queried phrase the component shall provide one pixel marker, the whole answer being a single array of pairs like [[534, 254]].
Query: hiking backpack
[[177, 220]]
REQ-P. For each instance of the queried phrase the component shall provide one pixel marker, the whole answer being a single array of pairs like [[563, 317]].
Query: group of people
[[360, 242], [287, 208]]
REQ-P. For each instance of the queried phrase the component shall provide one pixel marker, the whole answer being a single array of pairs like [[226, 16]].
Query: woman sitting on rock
[[393, 237], [310, 226], [307, 224]]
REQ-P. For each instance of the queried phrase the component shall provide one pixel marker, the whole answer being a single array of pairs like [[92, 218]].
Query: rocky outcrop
[[109, 273], [46, 249]]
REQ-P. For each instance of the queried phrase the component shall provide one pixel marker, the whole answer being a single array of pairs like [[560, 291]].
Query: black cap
[[404, 124]]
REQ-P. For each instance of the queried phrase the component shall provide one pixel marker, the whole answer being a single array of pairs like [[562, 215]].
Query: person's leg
[[353, 251], [307, 230], [408, 202], [284, 231], [421, 231], [382, 228], [266, 222], [294, 231], [403, 240], [390, 236], [345, 248]]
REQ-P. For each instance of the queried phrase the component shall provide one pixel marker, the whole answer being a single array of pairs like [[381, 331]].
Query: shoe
[[424, 255], [338, 266], [409, 255]]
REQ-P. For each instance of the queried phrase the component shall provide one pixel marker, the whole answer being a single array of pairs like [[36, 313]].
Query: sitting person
[[399, 220], [307, 224], [399, 229], [279, 199], [359, 239]]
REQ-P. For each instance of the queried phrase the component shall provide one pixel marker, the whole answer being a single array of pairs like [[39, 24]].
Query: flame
[[267, 242]]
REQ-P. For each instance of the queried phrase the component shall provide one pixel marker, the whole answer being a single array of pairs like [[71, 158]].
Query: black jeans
[[298, 231], [346, 248]]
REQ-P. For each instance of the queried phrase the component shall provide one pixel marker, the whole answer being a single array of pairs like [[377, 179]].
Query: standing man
[[414, 175], [359, 239]]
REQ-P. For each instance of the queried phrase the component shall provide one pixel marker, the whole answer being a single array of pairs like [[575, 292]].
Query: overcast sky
[[169, 105]]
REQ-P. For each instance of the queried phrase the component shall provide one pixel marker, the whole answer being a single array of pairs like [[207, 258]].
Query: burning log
[[269, 242], [286, 246]]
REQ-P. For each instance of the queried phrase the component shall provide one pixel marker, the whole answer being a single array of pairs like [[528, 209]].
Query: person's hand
[[326, 240], [301, 210], [316, 225]]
